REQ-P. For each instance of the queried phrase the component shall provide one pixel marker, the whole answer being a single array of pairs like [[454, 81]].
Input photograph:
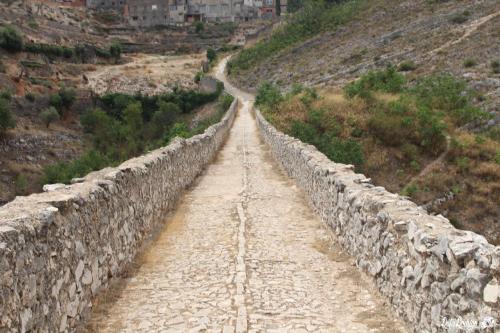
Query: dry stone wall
[[434, 275], [59, 248]]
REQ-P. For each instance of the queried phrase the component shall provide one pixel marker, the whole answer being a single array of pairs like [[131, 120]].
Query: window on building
[[269, 2], [154, 7], [173, 7], [134, 18]]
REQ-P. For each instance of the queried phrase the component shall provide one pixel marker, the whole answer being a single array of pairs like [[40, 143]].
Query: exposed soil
[[148, 74]]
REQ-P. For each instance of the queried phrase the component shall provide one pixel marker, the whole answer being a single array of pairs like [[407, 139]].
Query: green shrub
[[178, 130], [162, 119], [63, 172], [50, 50], [7, 121], [388, 127], [309, 95], [63, 100], [410, 190], [211, 55], [49, 115], [30, 96], [268, 96], [33, 24], [198, 77], [6, 94], [11, 39], [388, 80], [445, 93], [199, 27], [463, 163], [460, 18], [115, 50], [225, 102], [407, 66], [469, 63], [68, 97], [102, 53], [21, 184], [495, 66], [55, 101]]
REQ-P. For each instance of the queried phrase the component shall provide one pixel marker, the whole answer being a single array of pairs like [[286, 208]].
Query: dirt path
[[244, 253], [149, 74], [468, 31]]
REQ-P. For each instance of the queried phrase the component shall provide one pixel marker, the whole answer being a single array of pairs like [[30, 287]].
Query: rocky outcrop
[[59, 248], [433, 274]]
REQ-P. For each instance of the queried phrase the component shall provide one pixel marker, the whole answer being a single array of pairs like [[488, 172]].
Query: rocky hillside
[[407, 91], [460, 37]]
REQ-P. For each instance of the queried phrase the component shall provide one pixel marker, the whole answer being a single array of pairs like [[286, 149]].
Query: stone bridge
[[270, 236]]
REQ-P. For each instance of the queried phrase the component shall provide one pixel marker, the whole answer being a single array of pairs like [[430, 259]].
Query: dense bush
[[323, 132], [126, 125], [268, 96], [407, 66], [6, 118], [445, 93], [402, 123], [312, 19], [495, 66], [388, 80], [211, 55], [50, 50], [469, 63], [63, 172], [30, 96], [63, 100], [199, 27], [11, 39], [49, 115], [115, 50]]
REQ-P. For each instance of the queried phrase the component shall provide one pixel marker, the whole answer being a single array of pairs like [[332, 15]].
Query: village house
[[146, 13]]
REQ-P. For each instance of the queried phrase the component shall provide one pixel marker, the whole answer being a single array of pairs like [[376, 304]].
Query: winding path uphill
[[243, 253]]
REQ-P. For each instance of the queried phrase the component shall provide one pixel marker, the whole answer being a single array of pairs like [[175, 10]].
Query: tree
[[11, 39], [211, 54], [167, 113], [6, 119], [294, 5], [132, 115], [68, 96], [278, 8], [199, 26], [116, 50], [49, 115], [55, 101]]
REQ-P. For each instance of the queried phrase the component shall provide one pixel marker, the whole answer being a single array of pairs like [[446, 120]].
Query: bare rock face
[[427, 268], [58, 248]]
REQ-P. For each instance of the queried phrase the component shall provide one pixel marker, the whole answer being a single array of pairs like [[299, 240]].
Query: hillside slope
[[438, 36], [422, 116]]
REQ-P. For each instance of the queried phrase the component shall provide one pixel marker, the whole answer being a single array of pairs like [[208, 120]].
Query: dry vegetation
[[402, 145]]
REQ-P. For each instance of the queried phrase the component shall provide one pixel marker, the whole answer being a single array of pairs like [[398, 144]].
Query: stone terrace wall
[[426, 268], [58, 249]]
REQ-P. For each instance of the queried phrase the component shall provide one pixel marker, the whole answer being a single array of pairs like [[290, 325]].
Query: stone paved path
[[243, 253]]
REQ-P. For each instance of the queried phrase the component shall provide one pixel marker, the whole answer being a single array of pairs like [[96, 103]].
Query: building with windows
[[146, 13], [107, 4]]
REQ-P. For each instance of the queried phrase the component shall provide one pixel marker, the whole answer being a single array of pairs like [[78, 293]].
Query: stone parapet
[[433, 274], [58, 249]]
